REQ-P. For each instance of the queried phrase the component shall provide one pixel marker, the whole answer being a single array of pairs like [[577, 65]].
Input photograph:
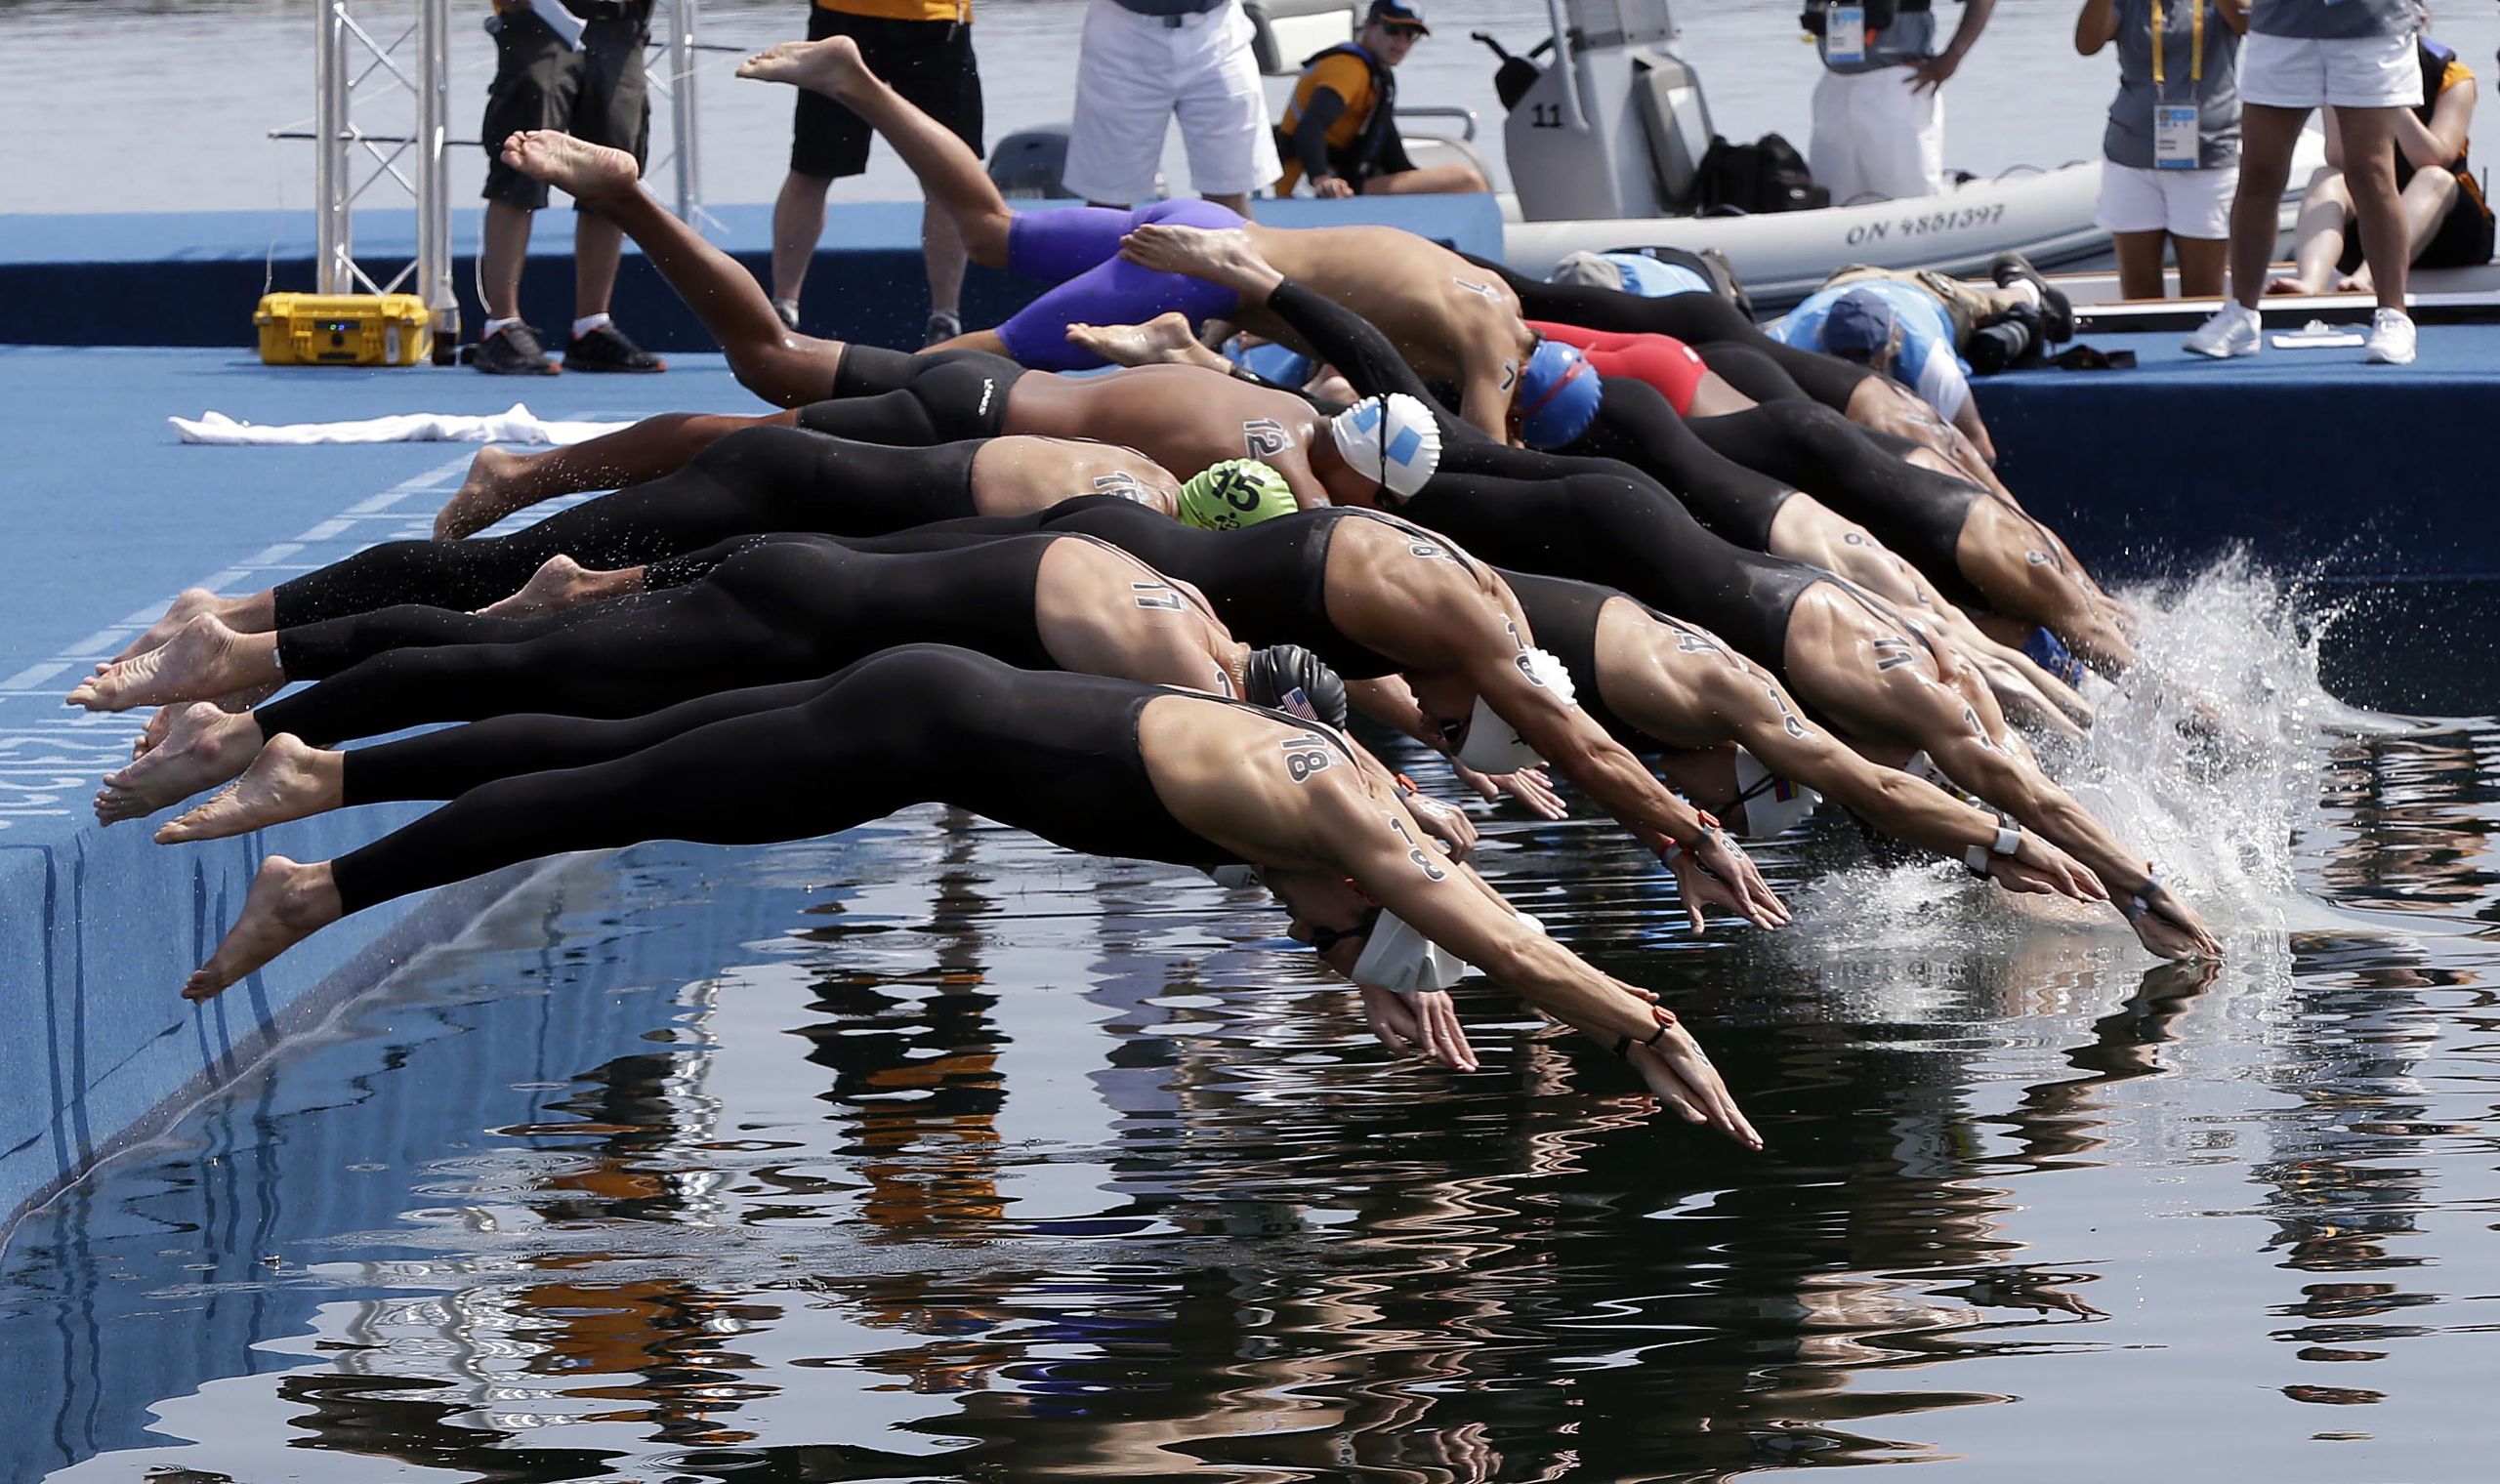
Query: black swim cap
[[1283, 675]]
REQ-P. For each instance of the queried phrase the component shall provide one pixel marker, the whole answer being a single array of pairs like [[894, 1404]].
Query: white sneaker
[[2390, 342], [2234, 330]]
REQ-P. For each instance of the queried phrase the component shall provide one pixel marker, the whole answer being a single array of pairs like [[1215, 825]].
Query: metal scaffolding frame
[[353, 70]]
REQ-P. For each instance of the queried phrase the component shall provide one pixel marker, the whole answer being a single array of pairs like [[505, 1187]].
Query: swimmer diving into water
[[1105, 766]]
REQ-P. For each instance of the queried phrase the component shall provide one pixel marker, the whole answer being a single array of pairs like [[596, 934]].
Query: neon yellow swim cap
[[1233, 494]]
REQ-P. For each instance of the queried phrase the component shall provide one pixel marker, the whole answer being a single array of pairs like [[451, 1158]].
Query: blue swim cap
[[1859, 325], [1558, 395]]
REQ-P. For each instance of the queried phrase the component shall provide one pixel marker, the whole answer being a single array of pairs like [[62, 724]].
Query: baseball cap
[[1859, 326], [1406, 12]]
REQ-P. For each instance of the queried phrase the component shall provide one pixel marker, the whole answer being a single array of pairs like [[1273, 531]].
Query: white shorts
[[2185, 203], [1874, 139], [2346, 71], [1134, 73]]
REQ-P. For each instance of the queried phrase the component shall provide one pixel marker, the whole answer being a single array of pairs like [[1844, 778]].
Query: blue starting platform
[[2319, 464], [192, 278], [112, 516]]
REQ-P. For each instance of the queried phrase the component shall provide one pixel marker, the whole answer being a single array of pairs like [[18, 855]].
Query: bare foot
[[584, 171], [288, 903], [2275, 287], [288, 780], [2353, 283], [831, 67], [202, 748], [564, 583], [1166, 340], [1219, 257], [492, 492], [190, 604], [205, 659]]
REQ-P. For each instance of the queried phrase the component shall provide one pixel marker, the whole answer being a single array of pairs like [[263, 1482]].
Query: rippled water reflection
[[935, 1154]]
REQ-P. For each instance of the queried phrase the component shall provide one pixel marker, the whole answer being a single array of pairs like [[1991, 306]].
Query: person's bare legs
[[941, 252], [785, 369], [2317, 235], [252, 613], [2369, 173], [501, 481], [288, 903], [1434, 180], [2139, 264], [599, 246], [2266, 137], [798, 226], [504, 247], [2200, 266], [2427, 199], [288, 780], [950, 175]]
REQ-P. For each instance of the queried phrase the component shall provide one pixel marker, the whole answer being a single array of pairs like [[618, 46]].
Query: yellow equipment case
[[344, 330]]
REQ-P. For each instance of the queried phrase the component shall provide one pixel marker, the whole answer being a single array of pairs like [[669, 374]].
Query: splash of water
[[2207, 760]]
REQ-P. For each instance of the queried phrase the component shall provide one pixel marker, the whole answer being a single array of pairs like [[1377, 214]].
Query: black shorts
[[929, 62], [596, 93]]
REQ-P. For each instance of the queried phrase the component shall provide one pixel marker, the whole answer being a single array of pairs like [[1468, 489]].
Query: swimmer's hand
[[2172, 928], [2038, 866], [1715, 873], [1331, 188], [1684, 1079], [1423, 1024], [1529, 786], [1452, 827]]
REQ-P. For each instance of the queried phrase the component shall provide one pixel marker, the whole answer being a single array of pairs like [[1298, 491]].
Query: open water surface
[[931, 1153]]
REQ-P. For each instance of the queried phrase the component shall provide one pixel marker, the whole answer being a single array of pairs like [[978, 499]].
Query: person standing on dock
[[576, 66], [924, 49], [2171, 154], [1879, 111], [2357, 57], [1141, 62]]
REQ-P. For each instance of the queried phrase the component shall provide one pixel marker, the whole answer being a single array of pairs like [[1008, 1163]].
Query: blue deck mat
[[2311, 458], [112, 516]]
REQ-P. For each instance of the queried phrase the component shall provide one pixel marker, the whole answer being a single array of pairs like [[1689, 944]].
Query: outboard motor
[[1615, 126]]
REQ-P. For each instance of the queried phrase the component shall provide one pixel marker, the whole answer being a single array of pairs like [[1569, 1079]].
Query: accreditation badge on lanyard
[[2174, 125], [1844, 34]]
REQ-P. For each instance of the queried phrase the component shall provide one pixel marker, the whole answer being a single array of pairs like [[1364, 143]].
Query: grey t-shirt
[[2128, 141], [2331, 20]]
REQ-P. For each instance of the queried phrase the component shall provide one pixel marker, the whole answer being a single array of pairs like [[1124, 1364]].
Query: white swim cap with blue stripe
[[1392, 440]]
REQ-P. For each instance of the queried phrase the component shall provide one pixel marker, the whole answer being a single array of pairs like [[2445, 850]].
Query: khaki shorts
[[1967, 307]]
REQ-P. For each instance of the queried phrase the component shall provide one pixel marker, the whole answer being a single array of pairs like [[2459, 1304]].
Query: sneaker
[[2233, 330], [607, 349], [513, 350], [788, 311], [2390, 342], [2011, 268], [942, 328]]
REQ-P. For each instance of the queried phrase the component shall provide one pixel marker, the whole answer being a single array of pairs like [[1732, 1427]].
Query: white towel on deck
[[514, 425]]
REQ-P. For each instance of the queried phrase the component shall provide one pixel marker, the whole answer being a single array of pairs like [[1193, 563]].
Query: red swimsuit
[[1662, 360]]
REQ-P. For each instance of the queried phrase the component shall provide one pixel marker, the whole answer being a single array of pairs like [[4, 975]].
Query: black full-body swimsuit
[[1052, 753], [761, 613], [754, 480], [1568, 516]]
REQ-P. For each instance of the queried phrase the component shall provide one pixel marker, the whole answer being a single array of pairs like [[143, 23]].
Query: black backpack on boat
[[1768, 174]]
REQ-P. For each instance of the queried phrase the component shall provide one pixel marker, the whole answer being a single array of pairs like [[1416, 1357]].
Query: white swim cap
[[1774, 806], [1493, 745], [1398, 957], [1391, 438]]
